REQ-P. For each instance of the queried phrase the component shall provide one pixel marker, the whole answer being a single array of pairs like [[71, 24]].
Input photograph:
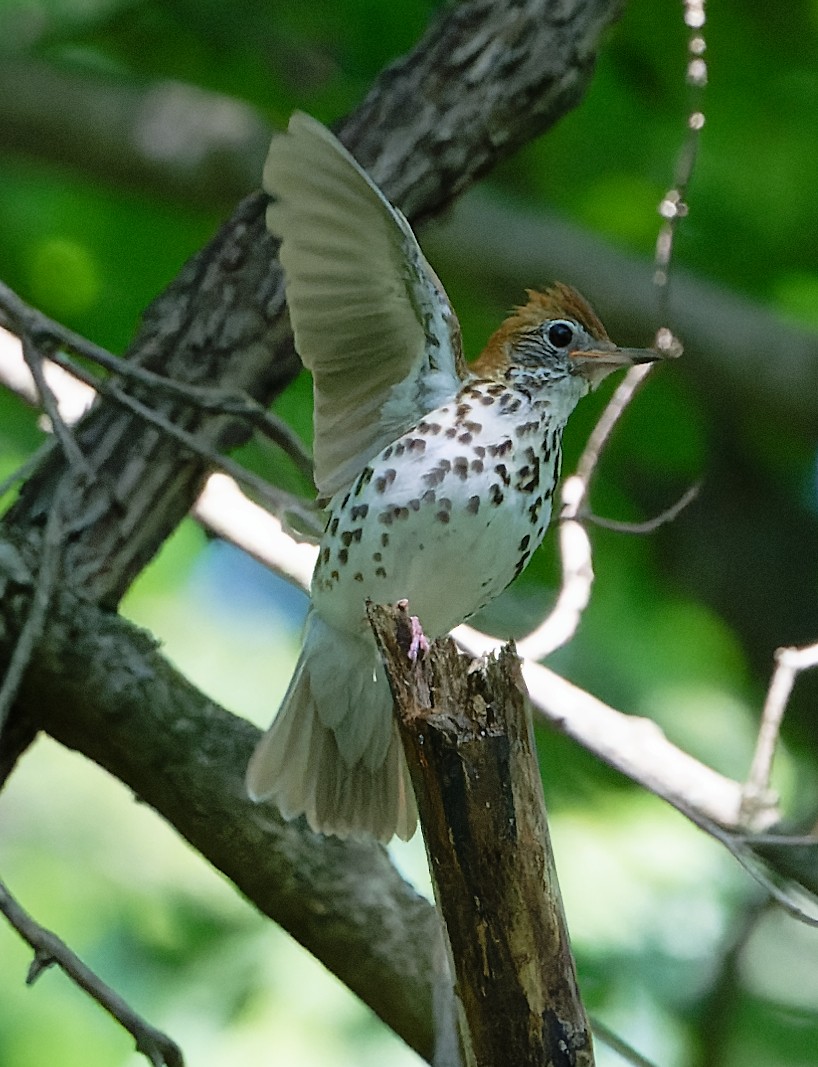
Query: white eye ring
[[561, 333]]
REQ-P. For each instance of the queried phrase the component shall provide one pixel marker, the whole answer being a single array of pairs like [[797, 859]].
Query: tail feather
[[333, 752]]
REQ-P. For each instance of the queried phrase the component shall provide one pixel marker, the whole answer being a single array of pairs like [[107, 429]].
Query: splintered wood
[[469, 744]]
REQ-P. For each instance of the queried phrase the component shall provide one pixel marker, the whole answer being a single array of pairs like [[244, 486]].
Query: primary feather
[[370, 319]]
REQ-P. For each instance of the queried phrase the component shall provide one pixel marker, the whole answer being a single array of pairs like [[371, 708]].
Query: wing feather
[[371, 320]]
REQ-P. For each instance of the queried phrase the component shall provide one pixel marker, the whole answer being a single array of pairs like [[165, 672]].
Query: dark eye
[[560, 334]]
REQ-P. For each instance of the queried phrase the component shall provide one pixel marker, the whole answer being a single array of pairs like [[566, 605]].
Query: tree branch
[[100, 686], [49, 949], [466, 732]]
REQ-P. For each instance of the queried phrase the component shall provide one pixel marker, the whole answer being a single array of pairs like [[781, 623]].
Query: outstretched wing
[[371, 320]]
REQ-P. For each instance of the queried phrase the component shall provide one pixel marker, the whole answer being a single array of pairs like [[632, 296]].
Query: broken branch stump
[[467, 734]]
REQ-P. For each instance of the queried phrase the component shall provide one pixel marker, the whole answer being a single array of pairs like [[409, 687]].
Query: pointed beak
[[596, 363]]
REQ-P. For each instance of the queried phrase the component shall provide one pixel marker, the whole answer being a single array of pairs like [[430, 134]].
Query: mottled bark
[[467, 734]]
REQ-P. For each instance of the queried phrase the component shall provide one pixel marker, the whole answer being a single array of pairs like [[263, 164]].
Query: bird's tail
[[333, 753]]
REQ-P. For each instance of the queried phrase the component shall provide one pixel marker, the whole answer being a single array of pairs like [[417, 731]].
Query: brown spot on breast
[[434, 476], [525, 429], [384, 540], [343, 555], [364, 478], [495, 495], [414, 504], [380, 572], [502, 470], [460, 467], [473, 427], [358, 576], [383, 481], [333, 527], [429, 496], [477, 466], [451, 431], [346, 538], [528, 478], [386, 517], [442, 516], [518, 570], [416, 444], [473, 505], [465, 438], [359, 511]]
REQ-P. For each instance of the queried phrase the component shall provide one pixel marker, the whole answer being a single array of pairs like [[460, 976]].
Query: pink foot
[[419, 642]]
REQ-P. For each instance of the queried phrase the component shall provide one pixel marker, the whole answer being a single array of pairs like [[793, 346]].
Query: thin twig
[[67, 441], [49, 949], [789, 664], [614, 1041], [561, 623], [49, 336], [575, 547], [279, 501], [27, 467], [673, 206], [650, 525], [44, 586], [737, 846]]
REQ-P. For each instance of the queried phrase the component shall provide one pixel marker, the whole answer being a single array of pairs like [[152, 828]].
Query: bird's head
[[555, 335]]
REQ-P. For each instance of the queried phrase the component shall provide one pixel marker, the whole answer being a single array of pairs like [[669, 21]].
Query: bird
[[437, 475]]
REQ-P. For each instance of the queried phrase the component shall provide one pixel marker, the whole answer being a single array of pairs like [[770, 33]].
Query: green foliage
[[682, 625]]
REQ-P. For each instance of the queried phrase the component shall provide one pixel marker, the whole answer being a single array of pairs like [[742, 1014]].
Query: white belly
[[446, 516]]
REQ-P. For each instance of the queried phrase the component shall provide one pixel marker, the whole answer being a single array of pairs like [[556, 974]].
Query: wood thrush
[[439, 476]]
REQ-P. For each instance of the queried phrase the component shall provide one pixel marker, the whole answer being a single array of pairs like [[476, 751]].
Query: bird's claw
[[419, 641]]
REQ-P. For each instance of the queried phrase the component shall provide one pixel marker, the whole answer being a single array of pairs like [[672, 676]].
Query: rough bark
[[101, 686], [467, 734]]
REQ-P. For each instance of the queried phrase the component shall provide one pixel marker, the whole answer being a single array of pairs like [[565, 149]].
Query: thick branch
[[467, 735], [100, 686], [121, 132]]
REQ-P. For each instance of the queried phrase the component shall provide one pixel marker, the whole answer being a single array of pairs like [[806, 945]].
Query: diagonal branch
[[49, 949]]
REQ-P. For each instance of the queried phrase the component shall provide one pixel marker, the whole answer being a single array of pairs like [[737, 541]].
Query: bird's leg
[[418, 640]]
